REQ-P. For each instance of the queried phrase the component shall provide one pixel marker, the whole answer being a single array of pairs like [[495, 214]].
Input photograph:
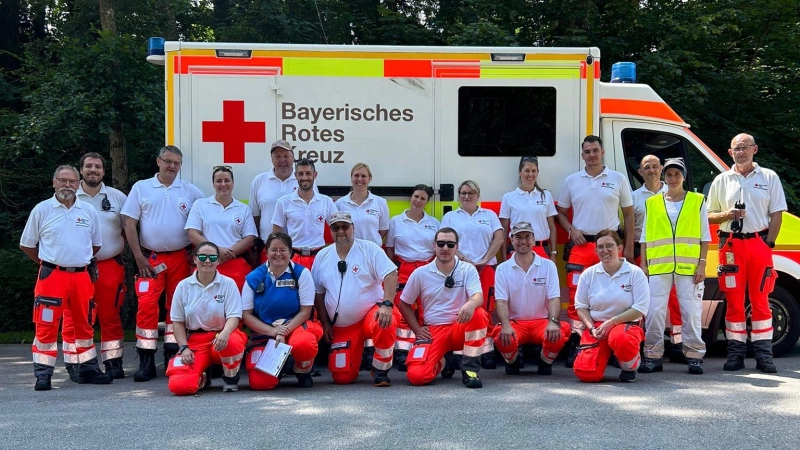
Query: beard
[[65, 194], [93, 182]]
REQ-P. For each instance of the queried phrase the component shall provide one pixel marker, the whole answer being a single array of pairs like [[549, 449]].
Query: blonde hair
[[361, 166], [472, 185]]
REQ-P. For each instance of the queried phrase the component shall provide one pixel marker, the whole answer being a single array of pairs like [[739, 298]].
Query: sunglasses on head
[[203, 258], [216, 168], [449, 244], [336, 228]]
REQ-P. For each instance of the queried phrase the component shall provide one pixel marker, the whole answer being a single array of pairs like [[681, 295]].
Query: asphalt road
[[669, 410]]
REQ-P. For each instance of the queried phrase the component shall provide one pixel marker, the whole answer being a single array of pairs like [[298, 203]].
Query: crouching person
[[206, 310]]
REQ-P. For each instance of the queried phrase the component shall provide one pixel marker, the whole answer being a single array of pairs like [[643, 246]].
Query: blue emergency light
[[623, 72], [155, 50]]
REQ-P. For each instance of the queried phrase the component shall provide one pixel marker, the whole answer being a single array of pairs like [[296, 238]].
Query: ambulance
[[438, 116]]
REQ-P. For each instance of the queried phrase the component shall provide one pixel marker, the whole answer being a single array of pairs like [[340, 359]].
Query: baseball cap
[[521, 227], [676, 163], [280, 143], [340, 217]]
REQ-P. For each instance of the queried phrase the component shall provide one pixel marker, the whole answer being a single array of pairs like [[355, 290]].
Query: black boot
[[304, 380], [487, 361], [114, 368], [512, 368], [43, 382], [94, 376], [676, 354], [147, 365], [736, 352], [170, 350], [762, 350], [400, 357], [572, 349], [366, 358], [72, 370], [451, 364]]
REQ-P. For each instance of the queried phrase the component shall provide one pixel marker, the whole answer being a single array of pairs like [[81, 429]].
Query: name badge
[[284, 283]]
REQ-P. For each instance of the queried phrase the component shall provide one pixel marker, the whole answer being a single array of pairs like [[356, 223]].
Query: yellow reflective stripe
[[44, 359], [87, 355], [530, 73], [671, 259], [475, 335], [473, 351], [659, 242], [333, 67], [147, 333]]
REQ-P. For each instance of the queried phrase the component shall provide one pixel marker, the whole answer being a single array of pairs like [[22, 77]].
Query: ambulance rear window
[[506, 121]]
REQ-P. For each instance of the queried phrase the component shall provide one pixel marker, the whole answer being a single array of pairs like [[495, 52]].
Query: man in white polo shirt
[[62, 235], [109, 289], [453, 320], [160, 207], [302, 215], [528, 298], [596, 194], [355, 283]]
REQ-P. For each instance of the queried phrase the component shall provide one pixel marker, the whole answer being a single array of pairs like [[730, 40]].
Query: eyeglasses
[[523, 236], [203, 258], [216, 168], [609, 247], [468, 194], [337, 228], [449, 244], [742, 148], [170, 163], [67, 181]]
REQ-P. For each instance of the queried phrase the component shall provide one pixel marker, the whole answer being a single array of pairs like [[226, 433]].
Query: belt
[[590, 237], [400, 286], [540, 243], [306, 251], [147, 252], [65, 269], [200, 331], [725, 234]]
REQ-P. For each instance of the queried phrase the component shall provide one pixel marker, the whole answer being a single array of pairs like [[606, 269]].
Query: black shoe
[[451, 364], [676, 354], [366, 358], [114, 368], [147, 365], [696, 367], [614, 362], [544, 368], [734, 363], [651, 365], [400, 357], [766, 365], [315, 372], [487, 361], [95, 376], [42, 383], [381, 378], [572, 349], [512, 368], [627, 376], [74, 372], [304, 380], [470, 379]]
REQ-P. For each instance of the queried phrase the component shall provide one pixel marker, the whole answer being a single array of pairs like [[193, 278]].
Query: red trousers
[[623, 341], [303, 340], [344, 359], [756, 276], [184, 379], [426, 359], [60, 293], [149, 290], [305, 261], [582, 255], [237, 269], [405, 336], [487, 284], [674, 309], [538, 249], [531, 332]]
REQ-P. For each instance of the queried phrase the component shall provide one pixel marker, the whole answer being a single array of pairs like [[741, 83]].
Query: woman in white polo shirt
[[206, 310], [530, 203], [481, 237], [612, 297], [370, 213], [226, 222], [409, 244]]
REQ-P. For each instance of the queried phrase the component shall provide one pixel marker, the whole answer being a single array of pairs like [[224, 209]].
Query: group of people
[[405, 290]]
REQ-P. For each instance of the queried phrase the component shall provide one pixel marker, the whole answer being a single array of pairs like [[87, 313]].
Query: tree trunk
[[107, 20], [116, 138]]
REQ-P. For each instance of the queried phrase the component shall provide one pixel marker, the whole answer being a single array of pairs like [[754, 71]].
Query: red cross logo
[[233, 131]]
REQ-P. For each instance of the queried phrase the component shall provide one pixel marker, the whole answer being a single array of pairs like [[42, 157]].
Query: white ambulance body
[[438, 116]]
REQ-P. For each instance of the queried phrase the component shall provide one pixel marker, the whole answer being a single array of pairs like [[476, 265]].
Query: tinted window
[[506, 121]]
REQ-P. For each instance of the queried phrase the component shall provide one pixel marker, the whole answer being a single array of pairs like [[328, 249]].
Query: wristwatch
[[554, 252], [770, 244], [182, 348], [385, 303], [555, 321]]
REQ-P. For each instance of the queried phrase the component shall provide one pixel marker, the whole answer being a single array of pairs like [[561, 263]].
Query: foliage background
[[72, 83]]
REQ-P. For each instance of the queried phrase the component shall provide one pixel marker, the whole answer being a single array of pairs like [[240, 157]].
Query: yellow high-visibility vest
[[669, 251]]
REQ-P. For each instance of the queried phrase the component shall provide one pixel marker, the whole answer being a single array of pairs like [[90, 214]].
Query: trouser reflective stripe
[[87, 355], [47, 360], [675, 334], [111, 350], [632, 364], [690, 301], [184, 379], [70, 352], [761, 330], [45, 347], [169, 334], [369, 343], [344, 359], [736, 331], [403, 345]]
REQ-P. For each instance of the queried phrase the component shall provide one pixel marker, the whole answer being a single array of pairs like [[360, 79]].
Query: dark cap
[[677, 163]]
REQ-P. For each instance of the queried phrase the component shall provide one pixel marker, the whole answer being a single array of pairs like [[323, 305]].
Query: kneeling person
[[451, 296], [528, 299]]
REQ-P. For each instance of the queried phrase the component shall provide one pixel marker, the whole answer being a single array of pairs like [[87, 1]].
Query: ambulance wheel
[[785, 321]]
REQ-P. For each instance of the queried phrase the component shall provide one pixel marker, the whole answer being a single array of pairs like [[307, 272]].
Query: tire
[[785, 321]]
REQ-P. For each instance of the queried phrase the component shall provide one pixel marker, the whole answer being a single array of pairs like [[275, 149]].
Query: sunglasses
[[203, 258], [216, 168], [449, 244], [337, 228]]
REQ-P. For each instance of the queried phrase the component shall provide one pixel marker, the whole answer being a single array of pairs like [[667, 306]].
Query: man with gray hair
[[67, 234]]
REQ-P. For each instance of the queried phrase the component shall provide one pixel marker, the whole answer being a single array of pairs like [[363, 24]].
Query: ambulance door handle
[[446, 192]]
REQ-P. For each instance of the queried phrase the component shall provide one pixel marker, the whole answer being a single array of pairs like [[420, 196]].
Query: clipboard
[[273, 358]]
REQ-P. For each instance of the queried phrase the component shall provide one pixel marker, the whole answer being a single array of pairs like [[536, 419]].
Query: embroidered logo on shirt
[[372, 212], [183, 206], [539, 281], [429, 227], [294, 188], [763, 187], [483, 222], [627, 287], [219, 298], [355, 269], [320, 218], [81, 222], [607, 185]]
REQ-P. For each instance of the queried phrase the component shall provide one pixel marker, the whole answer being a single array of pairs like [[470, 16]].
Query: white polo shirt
[[528, 293], [222, 225], [362, 284], [110, 221], [596, 200], [440, 304], [474, 231], [162, 212], [265, 191], [521, 206], [674, 210], [761, 191], [304, 222], [305, 282], [206, 307], [640, 196], [606, 296], [369, 217], [412, 240], [65, 236]]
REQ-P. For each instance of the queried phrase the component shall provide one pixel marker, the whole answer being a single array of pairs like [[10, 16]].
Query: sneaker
[[230, 387], [627, 376], [766, 365], [487, 361], [544, 368], [696, 367], [381, 378], [651, 365], [512, 368], [304, 380], [315, 372], [451, 364], [95, 376], [471, 380], [42, 383], [734, 363]]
